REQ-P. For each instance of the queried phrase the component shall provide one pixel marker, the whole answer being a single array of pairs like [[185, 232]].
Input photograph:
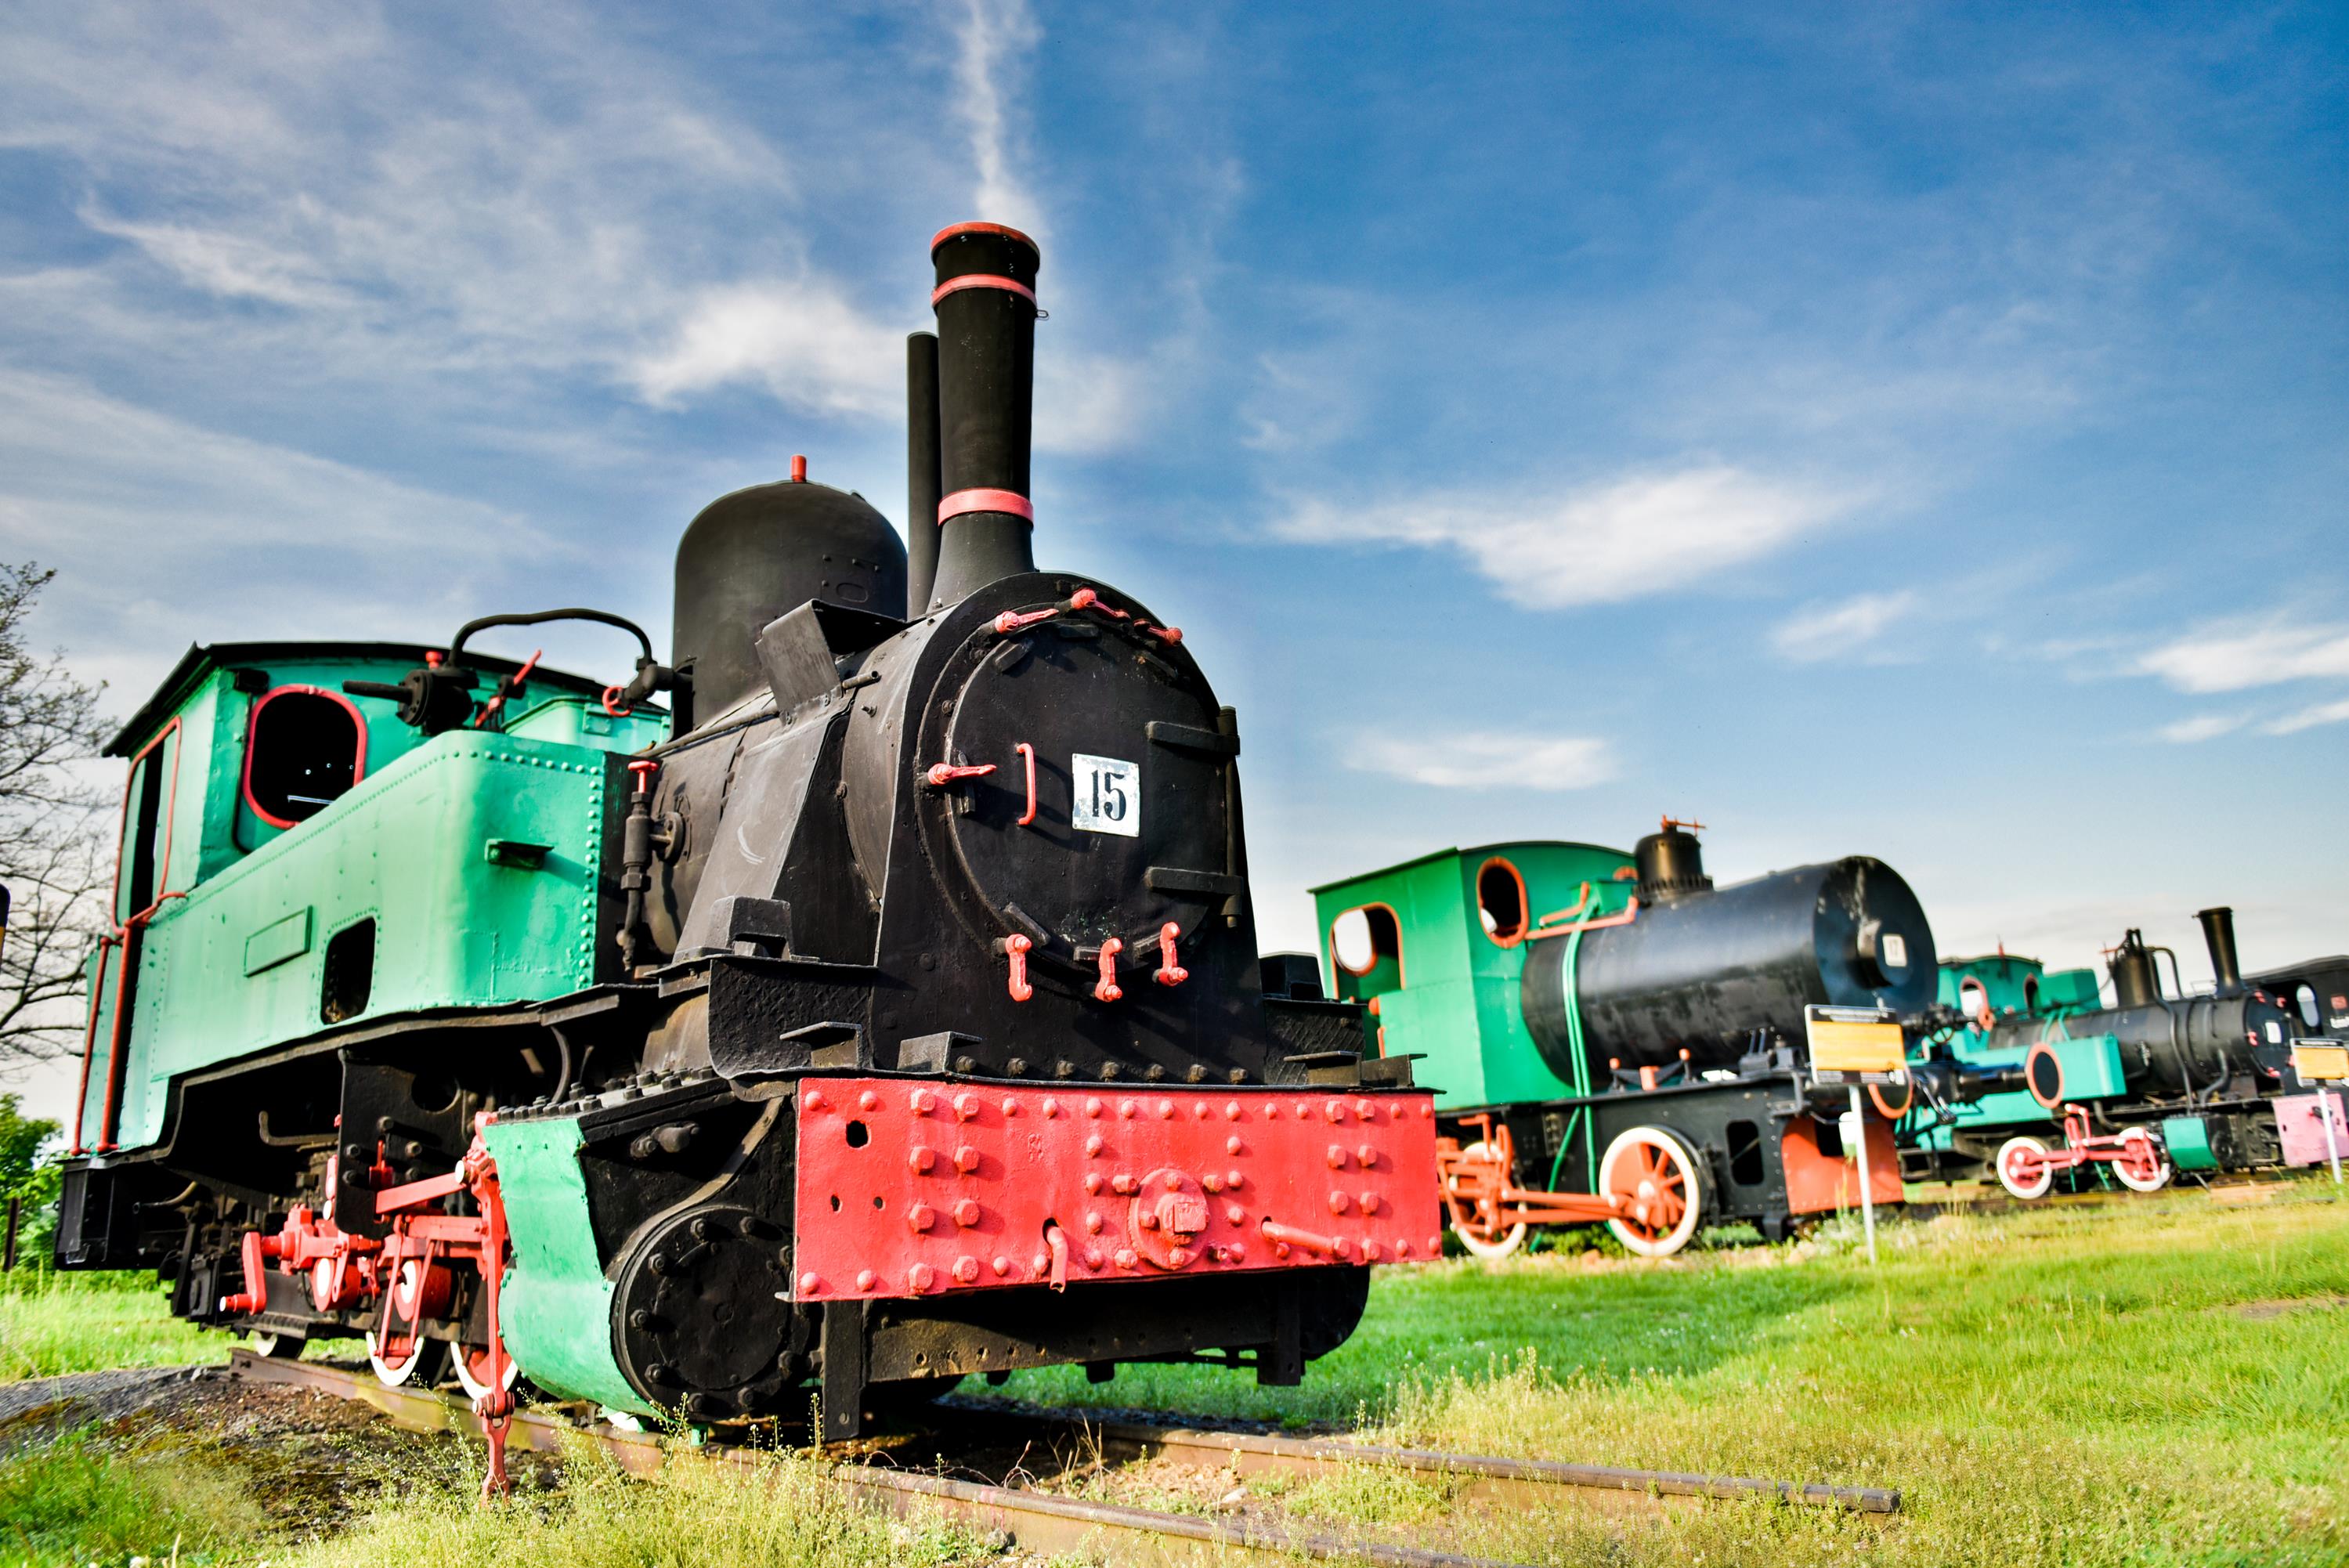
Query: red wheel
[[2144, 1166], [2023, 1168], [1662, 1184], [471, 1364], [1473, 1181]]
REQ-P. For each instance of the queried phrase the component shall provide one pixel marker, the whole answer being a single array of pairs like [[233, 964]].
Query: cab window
[[1501, 902], [305, 748], [1367, 945]]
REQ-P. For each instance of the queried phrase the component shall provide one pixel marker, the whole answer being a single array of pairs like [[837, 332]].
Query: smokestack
[[921, 471], [2135, 983], [2218, 932], [986, 303]]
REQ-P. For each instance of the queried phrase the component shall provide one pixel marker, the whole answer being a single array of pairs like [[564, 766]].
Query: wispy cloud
[[2202, 727], [1826, 630], [1640, 535], [995, 35], [2238, 656], [2309, 719], [1487, 760]]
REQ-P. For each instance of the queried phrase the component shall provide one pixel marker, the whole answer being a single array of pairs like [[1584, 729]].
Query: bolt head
[[1334, 1110], [1371, 1251], [1235, 1213], [921, 1216], [922, 1277], [1369, 1155], [1000, 1266], [1093, 1106], [966, 1107], [965, 1214], [814, 1099], [865, 1279], [1093, 1184], [1337, 1158], [868, 1100], [809, 1285], [1093, 1257], [1125, 1109], [966, 1159], [1165, 1110], [1094, 1146], [966, 1269], [1232, 1144], [1232, 1180], [1179, 1256], [924, 1102], [1051, 1106], [1231, 1110], [1010, 1106], [1092, 1225], [921, 1159], [1370, 1201], [1212, 1182], [1149, 1222], [1340, 1203], [1126, 1257]]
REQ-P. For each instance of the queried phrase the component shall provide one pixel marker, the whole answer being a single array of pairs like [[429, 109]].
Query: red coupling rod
[[1107, 989], [1017, 946], [1170, 966], [938, 775]]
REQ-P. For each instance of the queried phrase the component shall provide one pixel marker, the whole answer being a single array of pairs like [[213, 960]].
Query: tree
[[54, 850], [28, 1174]]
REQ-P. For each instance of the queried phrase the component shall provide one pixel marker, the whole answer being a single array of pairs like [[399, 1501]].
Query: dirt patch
[[2261, 1311], [309, 1462]]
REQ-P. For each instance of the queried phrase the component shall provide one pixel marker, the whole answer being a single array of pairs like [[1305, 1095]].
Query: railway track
[[1048, 1523]]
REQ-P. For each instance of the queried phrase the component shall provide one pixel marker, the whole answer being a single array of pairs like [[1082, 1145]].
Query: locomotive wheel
[[2023, 1168], [471, 1364], [2143, 1166], [1663, 1186], [400, 1358], [1468, 1199], [279, 1346]]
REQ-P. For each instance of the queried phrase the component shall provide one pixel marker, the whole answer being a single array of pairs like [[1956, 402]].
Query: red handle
[[1018, 945], [1170, 968], [941, 774], [1027, 758], [1107, 990], [644, 772], [612, 703]]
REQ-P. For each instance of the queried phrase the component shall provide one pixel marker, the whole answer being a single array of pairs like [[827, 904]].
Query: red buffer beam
[[909, 1190]]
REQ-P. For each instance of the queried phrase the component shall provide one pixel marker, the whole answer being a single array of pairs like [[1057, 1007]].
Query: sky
[[1911, 430]]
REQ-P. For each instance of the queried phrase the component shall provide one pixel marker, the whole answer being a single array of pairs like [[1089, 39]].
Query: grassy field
[[52, 1323], [2156, 1381]]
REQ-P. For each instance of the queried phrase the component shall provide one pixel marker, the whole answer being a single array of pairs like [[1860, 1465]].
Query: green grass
[[52, 1322], [2065, 1385], [79, 1501], [2070, 1384]]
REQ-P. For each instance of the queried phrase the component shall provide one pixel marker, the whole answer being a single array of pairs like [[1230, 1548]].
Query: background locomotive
[[1638, 1056], [887, 1012], [2169, 1081]]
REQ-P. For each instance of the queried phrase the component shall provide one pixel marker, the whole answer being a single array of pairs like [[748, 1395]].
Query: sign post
[[2324, 1062], [1856, 1045]]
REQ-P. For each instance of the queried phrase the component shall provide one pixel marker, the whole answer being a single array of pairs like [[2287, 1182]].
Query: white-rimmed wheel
[[1473, 1183], [2023, 1168], [471, 1364], [279, 1346], [1664, 1189], [401, 1357], [2143, 1165]]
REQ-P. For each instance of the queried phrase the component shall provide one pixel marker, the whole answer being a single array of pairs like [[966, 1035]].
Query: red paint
[[1817, 1182], [1170, 965], [1018, 947], [253, 727], [644, 772], [1027, 762], [1106, 989], [982, 281], [491, 708], [951, 229], [799, 467], [1009, 503], [1066, 1186], [938, 775], [1631, 912], [1009, 622], [611, 702], [125, 933]]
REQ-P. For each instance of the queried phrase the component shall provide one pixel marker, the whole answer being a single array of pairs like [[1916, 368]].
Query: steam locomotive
[[883, 1010], [1642, 1056], [2151, 1083]]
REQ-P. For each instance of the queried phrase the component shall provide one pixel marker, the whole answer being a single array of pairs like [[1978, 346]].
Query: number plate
[[1108, 795]]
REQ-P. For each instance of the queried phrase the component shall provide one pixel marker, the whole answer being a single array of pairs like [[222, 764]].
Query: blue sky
[[1908, 430]]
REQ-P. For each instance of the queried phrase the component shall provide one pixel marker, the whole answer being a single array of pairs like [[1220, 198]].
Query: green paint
[[276, 942], [1451, 994], [2187, 1139], [476, 854], [555, 1306]]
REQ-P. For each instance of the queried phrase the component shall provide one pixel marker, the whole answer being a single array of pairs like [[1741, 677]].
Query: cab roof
[[1471, 850], [202, 658]]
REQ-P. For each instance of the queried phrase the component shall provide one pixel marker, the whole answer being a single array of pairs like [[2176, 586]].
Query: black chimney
[[985, 303], [2135, 982], [2219, 930], [921, 471]]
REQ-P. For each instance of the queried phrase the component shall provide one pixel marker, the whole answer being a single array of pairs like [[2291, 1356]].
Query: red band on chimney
[[943, 235], [982, 281], [1008, 502]]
